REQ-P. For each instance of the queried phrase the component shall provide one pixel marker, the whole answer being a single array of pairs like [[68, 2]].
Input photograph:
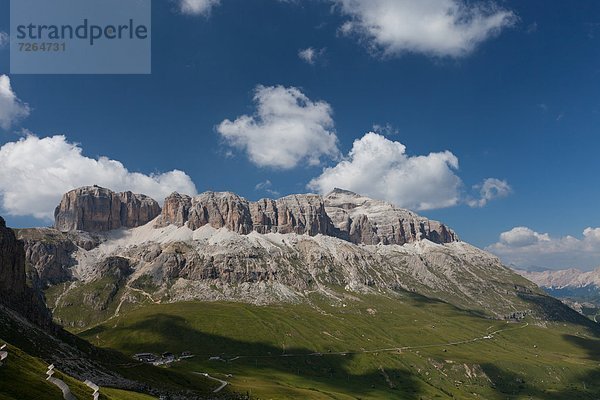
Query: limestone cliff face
[[360, 219], [220, 210], [14, 292], [176, 210], [96, 209], [301, 214], [341, 214], [137, 209]]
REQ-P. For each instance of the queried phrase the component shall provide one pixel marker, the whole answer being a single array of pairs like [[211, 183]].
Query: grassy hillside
[[32, 349], [371, 348], [24, 377]]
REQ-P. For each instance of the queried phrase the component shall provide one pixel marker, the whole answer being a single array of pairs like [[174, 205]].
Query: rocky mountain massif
[[341, 214], [219, 246]]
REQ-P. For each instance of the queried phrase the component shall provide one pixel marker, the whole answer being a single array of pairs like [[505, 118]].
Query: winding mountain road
[[67, 395], [488, 336], [222, 382]]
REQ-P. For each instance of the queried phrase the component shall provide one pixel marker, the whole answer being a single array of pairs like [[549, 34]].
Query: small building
[[146, 357]]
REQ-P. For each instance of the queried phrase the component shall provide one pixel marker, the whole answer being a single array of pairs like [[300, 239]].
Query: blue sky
[[518, 103]]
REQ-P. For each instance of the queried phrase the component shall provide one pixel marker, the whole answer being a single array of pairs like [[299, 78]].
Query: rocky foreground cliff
[[15, 293], [220, 246]]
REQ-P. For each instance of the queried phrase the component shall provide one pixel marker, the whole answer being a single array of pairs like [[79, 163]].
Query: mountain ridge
[[341, 214], [218, 246]]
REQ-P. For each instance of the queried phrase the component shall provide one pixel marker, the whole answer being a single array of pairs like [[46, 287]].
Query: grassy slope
[[559, 361], [33, 341], [24, 377]]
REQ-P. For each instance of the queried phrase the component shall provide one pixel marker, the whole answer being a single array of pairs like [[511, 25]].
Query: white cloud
[[386, 130], [592, 234], [311, 55], [434, 27], [380, 168], [4, 39], [489, 190], [522, 236], [266, 186], [288, 129], [525, 248], [197, 7], [11, 108], [263, 185], [36, 172]]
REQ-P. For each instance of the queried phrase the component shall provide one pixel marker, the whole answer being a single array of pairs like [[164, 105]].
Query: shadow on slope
[[425, 302], [82, 360], [161, 332], [555, 311], [516, 386]]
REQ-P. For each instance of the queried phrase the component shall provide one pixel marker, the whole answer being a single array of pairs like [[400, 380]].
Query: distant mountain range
[[578, 289], [567, 278]]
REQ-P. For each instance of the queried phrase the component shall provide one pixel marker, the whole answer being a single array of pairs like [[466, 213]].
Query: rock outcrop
[[14, 292], [341, 214], [176, 210], [96, 209], [50, 254], [301, 214], [12, 263], [360, 219]]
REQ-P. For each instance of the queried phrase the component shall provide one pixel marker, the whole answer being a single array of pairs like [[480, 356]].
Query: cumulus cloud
[[4, 39], [522, 236], [380, 168], [524, 248], [36, 171], [311, 55], [11, 108], [197, 7], [287, 129], [440, 28], [489, 190]]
